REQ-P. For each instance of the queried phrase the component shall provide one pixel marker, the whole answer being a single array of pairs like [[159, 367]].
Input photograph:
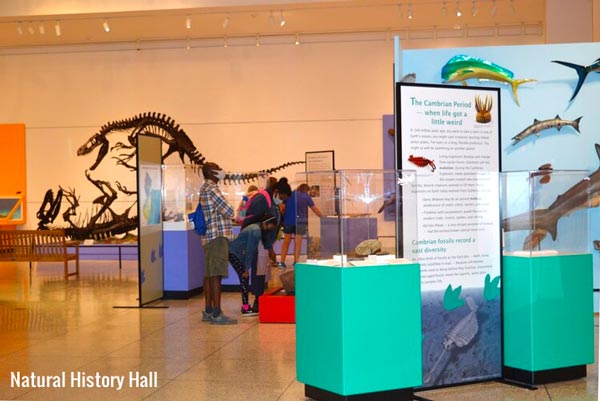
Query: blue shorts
[[299, 229]]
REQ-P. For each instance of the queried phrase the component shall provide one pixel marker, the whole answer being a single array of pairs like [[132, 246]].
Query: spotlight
[[281, 19], [30, 28], [512, 6], [474, 9], [20, 28], [187, 43], [297, 39], [257, 41], [225, 42], [226, 22], [188, 22], [106, 26], [458, 12], [42, 28], [410, 11], [493, 12], [444, 10], [57, 28]]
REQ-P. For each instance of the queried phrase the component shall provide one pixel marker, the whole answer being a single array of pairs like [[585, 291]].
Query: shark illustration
[[584, 194]]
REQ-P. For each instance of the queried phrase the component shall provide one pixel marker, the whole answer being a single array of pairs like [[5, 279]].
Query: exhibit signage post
[[451, 134]]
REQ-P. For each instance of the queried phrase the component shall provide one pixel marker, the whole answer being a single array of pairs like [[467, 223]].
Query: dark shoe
[[281, 265], [248, 312], [222, 320], [206, 317]]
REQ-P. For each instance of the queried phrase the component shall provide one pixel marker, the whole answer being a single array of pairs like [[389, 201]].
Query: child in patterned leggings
[[243, 251]]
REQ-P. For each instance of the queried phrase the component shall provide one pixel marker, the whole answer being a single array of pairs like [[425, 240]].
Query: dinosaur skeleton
[[103, 222]]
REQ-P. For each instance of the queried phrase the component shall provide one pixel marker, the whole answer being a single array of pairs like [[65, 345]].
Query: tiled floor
[[49, 326]]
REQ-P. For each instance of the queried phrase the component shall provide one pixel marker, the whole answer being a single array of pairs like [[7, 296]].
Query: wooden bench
[[39, 246]]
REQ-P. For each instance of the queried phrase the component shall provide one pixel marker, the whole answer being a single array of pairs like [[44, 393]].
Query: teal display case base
[[405, 394], [543, 376]]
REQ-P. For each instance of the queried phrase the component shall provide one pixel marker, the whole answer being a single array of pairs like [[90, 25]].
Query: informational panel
[[322, 161], [450, 134], [149, 157], [13, 185]]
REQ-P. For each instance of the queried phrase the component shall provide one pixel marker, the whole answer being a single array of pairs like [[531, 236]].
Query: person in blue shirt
[[295, 221]]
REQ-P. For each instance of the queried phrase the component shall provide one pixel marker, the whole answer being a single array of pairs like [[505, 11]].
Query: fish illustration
[[461, 67], [458, 336], [582, 72], [584, 194], [539, 126]]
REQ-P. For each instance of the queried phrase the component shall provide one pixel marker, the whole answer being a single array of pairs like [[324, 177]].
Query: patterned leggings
[[239, 269]]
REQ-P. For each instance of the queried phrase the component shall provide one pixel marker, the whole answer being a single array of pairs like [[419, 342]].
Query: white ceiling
[[33, 22]]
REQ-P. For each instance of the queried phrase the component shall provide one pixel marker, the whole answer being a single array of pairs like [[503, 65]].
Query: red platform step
[[277, 307]]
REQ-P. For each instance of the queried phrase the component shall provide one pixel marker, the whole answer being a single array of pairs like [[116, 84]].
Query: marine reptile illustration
[[461, 67], [540, 125], [584, 194], [582, 72], [103, 222]]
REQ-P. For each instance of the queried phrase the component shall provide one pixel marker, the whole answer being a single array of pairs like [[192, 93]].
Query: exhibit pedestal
[[358, 331], [548, 317], [183, 264]]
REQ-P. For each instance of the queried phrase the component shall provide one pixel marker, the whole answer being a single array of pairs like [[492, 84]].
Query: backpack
[[197, 218], [243, 211]]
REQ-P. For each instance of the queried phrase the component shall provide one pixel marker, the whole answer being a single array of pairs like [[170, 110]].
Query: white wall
[[244, 107]]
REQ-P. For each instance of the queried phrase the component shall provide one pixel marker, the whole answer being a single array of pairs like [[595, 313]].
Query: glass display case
[[545, 212], [236, 185], [367, 217], [547, 276], [181, 183]]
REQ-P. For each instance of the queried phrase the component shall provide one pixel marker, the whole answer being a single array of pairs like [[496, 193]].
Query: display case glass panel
[[181, 185], [545, 212], [368, 217], [236, 185]]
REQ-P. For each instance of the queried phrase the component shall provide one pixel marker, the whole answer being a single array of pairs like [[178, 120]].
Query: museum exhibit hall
[[327, 200]]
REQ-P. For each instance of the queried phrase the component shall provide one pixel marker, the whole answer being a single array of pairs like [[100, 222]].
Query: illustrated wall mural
[[115, 143], [552, 124], [548, 122]]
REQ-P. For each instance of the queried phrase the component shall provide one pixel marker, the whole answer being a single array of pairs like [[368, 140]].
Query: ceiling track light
[[494, 8], [257, 41], [30, 28], [57, 28], [42, 29], [297, 39], [20, 28], [188, 22], [187, 43], [458, 12], [226, 22], [444, 9], [410, 11], [281, 19], [474, 9], [225, 42], [106, 26], [512, 7]]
